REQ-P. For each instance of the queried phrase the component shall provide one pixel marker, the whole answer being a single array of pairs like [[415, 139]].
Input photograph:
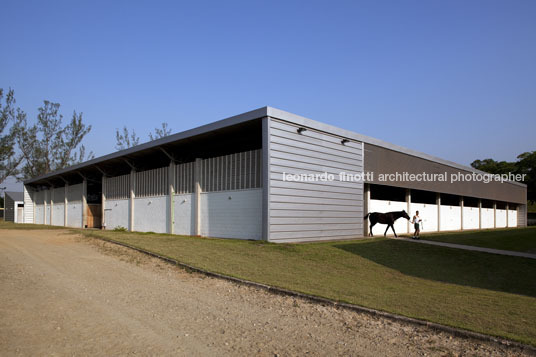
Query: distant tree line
[[30, 148], [525, 164]]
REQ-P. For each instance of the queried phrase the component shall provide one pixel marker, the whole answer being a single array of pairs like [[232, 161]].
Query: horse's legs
[[370, 233], [386, 230], [393, 228]]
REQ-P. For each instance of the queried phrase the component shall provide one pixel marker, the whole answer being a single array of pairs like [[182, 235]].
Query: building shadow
[[454, 266]]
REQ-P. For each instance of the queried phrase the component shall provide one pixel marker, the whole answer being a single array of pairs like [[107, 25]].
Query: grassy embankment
[[481, 292]]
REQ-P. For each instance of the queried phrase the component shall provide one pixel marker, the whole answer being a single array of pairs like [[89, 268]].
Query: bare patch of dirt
[[61, 294]]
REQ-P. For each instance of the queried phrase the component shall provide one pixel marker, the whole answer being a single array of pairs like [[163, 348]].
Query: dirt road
[[65, 295]]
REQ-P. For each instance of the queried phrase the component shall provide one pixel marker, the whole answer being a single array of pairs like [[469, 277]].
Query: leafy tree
[[125, 139], [48, 145], [495, 167], [160, 132], [10, 117], [525, 164]]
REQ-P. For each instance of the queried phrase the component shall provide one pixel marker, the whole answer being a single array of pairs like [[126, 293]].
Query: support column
[[103, 202], [408, 202], [131, 201], [438, 203], [65, 202], [479, 213], [51, 204], [84, 203], [266, 178], [197, 196], [494, 214], [366, 205], [45, 208], [461, 213], [35, 204], [507, 206], [171, 195]]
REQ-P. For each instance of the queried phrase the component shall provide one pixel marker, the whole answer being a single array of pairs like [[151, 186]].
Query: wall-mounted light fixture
[[301, 130], [344, 141]]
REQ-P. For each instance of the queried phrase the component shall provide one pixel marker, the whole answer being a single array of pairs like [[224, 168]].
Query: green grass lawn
[[481, 292], [516, 239]]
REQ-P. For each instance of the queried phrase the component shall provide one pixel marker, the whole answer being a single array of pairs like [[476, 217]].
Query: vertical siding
[[9, 211], [308, 211], [522, 215], [74, 193], [239, 171], [58, 195], [28, 206], [117, 187], [152, 183], [184, 178], [39, 207]]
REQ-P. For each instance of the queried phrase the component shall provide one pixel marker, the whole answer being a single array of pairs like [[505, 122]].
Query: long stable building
[[229, 179]]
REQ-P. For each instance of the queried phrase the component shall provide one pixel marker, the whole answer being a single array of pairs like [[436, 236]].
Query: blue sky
[[455, 79]]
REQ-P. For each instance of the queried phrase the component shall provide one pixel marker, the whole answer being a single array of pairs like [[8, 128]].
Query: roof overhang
[[247, 117]]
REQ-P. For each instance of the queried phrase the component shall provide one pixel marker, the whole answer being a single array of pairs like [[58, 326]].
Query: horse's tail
[[368, 214]]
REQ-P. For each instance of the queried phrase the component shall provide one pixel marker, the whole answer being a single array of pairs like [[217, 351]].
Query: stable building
[[14, 207], [268, 175]]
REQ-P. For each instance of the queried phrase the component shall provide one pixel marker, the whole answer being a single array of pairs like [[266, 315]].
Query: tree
[[525, 164], [160, 132], [125, 139], [495, 167], [48, 145], [10, 118]]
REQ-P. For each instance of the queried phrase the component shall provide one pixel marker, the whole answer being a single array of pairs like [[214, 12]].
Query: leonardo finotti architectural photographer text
[[404, 177]]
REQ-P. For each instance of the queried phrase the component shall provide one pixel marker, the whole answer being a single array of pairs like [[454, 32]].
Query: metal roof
[[252, 115], [15, 196]]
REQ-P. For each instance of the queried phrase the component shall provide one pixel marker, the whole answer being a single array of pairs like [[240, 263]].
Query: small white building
[[14, 207]]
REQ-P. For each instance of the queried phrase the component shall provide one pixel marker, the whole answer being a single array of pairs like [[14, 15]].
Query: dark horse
[[388, 218]]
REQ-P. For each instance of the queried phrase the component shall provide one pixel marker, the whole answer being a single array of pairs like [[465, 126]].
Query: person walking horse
[[417, 223], [388, 218]]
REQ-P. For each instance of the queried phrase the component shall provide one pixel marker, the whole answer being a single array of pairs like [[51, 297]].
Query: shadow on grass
[[455, 266]]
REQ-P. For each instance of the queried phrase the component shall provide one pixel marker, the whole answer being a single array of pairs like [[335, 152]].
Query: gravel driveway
[[61, 294]]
